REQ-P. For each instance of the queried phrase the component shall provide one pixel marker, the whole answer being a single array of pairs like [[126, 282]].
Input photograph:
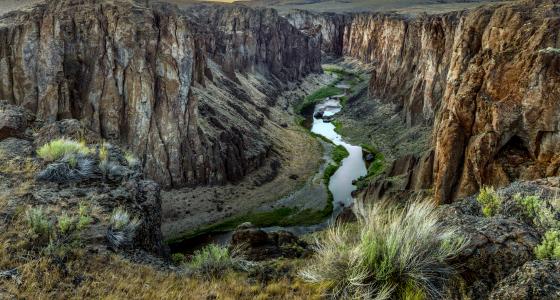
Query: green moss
[[337, 126], [329, 172]]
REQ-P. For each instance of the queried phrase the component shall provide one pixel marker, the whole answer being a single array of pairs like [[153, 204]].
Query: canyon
[[195, 119], [482, 79], [195, 92]]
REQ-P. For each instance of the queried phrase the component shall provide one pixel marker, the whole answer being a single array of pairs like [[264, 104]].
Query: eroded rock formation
[[168, 84], [487, 79]]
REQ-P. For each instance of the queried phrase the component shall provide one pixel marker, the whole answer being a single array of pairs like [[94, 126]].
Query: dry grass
[[111, 277]]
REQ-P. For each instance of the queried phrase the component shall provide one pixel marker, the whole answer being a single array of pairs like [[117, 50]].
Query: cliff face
[[487, 80], [500, 115], [410, 59], [138, 76], [331, 27]]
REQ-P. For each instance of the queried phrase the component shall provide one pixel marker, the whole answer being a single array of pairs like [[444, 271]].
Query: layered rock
[[331, 26], [487, 79], [147, 78]]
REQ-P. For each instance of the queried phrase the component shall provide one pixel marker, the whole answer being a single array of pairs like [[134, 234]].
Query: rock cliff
[[486, 79], [171, 85]]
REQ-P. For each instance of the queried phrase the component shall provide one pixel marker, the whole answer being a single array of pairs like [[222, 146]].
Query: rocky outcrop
[[534, 280], [13, 121], [152, 79], [496, 248], [331, 26], [256, 244]]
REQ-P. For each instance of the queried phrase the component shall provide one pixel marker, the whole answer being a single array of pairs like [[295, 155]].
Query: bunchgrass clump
[[213, 261], [490, 201], [60, 148], [549, 248], [122, 228], [392, 253], [38, 222]]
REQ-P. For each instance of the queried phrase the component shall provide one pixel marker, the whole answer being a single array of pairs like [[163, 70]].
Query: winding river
[[351, 168]]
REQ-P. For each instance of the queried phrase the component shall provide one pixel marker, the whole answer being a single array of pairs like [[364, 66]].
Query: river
[[340, 185]]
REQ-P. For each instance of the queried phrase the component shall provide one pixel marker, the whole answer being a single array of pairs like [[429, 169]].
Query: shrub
[[38, 222], [122, 228], [392, 253], [489, 200], [84, 219], [65, 223], [542, 213], [178, 258], [60, 148], [549, 248], [212, 261], [73, 168]]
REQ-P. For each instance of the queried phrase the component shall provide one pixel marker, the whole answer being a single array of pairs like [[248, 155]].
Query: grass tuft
[[57, 149], [392, 253], [212, 261]]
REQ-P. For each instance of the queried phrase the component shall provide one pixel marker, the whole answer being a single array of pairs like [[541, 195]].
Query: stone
[[13, 121], [534, 280], [256, 244]]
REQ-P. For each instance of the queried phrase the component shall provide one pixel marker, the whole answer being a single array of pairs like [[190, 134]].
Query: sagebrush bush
[[38, 222], [213, 260], [549, 248], [60, 148], [122, 228], [392, 253], [489, 200]]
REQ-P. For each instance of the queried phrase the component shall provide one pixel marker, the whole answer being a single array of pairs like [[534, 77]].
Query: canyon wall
[[487, 80], [151, 78]]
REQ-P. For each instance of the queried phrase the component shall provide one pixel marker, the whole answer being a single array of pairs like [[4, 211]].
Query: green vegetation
[[549, 248], [391, 253], [212, 261], [375, 167], [320, 94], [131, 159], [38, 222], [339, 153], [57, 149], [337, 126], [329, 172], [178, 258], [489, 200]]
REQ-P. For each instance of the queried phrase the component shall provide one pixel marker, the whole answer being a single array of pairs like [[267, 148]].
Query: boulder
[[258, 245], [14, 147], [496, 247], [13, 120], [534, 280]]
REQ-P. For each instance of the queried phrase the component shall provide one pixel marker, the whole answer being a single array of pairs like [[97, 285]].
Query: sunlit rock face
[[486, 79], [161, 81]]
